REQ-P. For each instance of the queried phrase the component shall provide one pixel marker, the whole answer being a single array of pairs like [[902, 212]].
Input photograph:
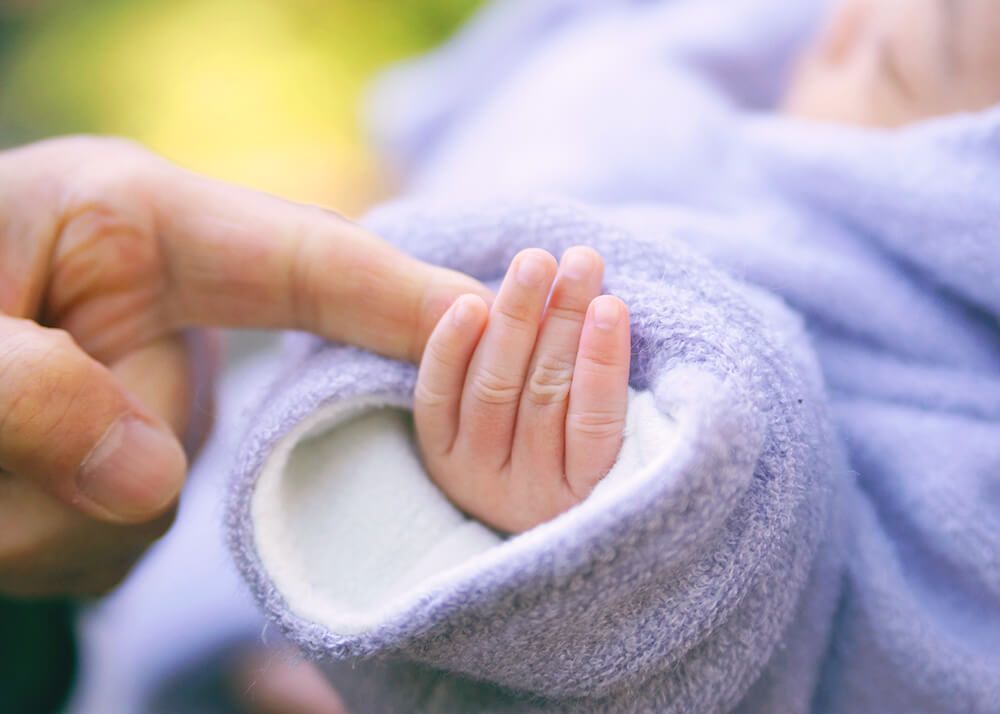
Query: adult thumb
[[66, 424]]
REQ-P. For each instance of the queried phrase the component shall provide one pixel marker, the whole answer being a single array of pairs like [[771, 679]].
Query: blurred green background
[[265, 93]]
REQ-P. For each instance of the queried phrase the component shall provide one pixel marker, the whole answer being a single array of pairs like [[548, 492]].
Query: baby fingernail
[[463, 313], [531, 271], [577, 264], [606, 312]]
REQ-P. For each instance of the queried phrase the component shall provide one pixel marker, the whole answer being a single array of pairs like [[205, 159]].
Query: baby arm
[[520, 407]]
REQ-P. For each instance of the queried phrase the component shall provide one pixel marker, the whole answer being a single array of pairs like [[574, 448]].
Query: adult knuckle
[[95, 221], [550, 381], [18, 349], [42, 378], [301, 283], [62, 173], [96, 163], [494, 388], [55, 361], [28, 357], [307, 288], [108, 245], [94, 169]]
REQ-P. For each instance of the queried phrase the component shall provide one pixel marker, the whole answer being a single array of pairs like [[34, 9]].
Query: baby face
[[891, 62]]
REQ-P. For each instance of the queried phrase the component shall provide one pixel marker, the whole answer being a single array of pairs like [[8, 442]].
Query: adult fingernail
[[134, 472], [577, 264], [606, 312], [531, 271]]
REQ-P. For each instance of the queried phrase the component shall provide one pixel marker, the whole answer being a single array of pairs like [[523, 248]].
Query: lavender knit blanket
[[816, 311]]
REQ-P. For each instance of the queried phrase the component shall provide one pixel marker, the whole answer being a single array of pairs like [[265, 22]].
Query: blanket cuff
[[351, 529]]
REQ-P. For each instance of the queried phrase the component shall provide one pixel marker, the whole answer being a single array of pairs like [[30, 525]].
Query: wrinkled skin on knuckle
[[80, 238], [45, 181], [17, 353], [83, 201], [492, 388], [566, 314], [37, 364], [512, 321], [372, 283], [425, 396], [116, 165], [598, 364], [550, 382], [58, 387], [302, 288], [22, 341], [442, 357], [43, 188], [598, 424], [80, 169], [111, 180], [108, 278]]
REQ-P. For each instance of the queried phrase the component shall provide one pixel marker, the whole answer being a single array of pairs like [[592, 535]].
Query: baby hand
[[520, 408]]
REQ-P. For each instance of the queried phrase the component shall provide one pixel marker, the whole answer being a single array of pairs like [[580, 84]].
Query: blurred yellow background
[[265, 93]]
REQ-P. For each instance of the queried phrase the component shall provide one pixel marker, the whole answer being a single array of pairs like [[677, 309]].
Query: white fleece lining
[[350, 528]]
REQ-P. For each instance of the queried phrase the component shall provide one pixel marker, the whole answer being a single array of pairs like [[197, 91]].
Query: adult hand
[[108, 257]]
